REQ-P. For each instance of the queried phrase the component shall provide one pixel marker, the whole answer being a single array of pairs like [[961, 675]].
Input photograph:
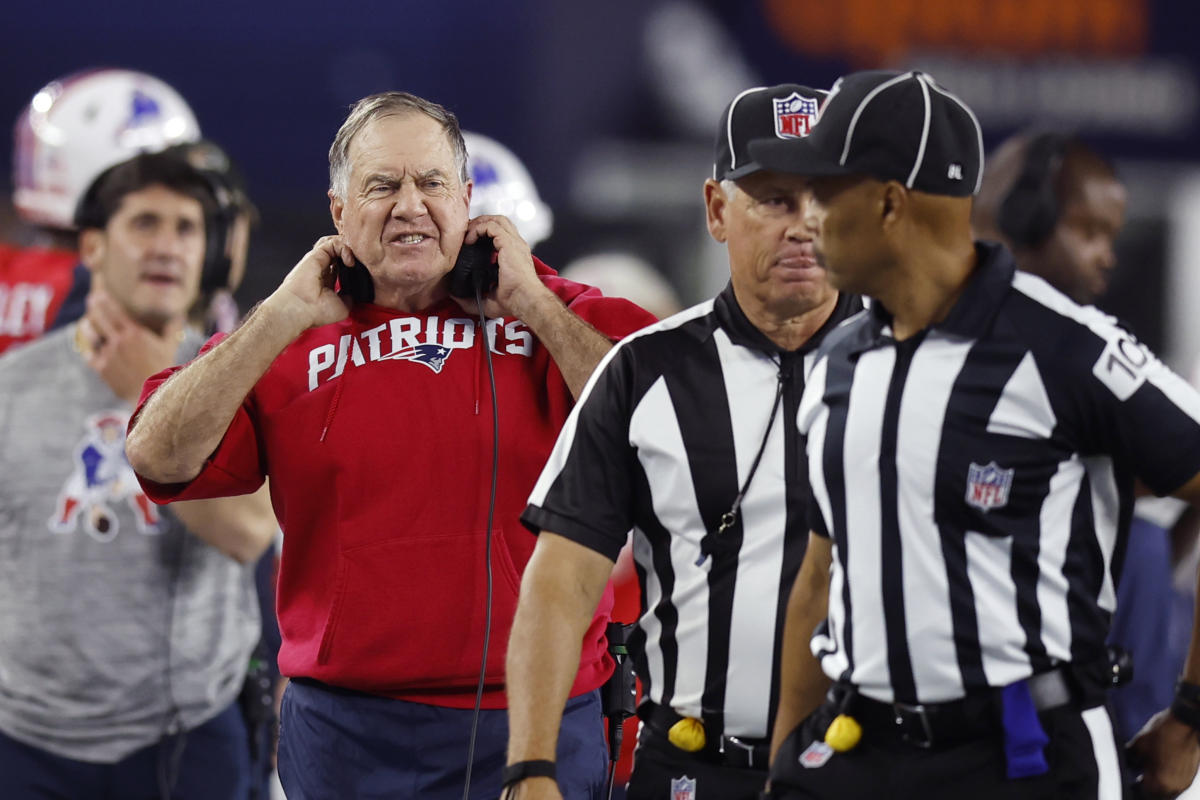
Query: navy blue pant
[[343, 744], [211, 762]]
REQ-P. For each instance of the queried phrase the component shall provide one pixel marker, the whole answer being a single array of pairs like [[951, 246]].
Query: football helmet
[[503, 186], [78, 126]]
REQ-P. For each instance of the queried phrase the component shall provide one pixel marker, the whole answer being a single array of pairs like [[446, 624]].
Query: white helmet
[[503, 186], [78, 126]]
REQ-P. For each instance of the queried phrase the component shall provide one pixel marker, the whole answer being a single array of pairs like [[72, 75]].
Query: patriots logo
[[431, 355], [794, 116]]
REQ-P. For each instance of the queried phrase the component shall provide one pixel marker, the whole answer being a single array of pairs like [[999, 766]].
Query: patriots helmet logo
[[431, 355], [794, 116]]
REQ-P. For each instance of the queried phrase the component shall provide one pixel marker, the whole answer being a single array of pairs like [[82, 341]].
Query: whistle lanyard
[[708, 543]]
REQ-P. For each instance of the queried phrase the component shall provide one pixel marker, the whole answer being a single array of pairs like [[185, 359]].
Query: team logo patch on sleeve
[[988, 486], [794, 116]]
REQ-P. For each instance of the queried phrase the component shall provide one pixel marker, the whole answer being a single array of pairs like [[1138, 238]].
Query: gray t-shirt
[[116, 624]]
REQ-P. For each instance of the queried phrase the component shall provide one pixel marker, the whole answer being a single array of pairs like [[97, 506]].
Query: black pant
[[1081, 756], [660, 768]]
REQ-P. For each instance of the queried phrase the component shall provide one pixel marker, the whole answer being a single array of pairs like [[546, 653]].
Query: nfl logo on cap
[[794, 116]]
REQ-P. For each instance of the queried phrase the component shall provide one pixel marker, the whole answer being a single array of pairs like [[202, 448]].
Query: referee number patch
[[1122, 366]]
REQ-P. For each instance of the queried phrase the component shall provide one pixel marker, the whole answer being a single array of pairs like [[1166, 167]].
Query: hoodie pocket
[[410, 613]]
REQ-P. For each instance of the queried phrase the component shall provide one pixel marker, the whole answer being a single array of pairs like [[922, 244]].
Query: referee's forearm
[[802, 683], [559, 593]]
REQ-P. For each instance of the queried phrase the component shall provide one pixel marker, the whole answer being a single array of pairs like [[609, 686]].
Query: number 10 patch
[[1122, 365]]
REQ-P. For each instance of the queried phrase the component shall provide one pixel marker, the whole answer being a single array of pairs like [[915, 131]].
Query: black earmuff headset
[[1031, 208]]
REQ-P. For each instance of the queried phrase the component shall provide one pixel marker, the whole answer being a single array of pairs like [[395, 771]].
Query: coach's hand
[[1168, 753], [518, 286], [306, 298]]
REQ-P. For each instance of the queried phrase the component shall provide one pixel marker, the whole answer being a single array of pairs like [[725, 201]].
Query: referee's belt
[[728, 751], [975, 716]]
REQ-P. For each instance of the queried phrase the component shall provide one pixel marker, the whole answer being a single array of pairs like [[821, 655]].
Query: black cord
[[487, 627]]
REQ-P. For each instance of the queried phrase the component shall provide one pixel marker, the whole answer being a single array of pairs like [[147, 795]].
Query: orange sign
[[871, 32]]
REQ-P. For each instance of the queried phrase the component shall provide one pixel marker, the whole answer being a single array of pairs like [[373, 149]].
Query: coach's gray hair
[[389, 104]]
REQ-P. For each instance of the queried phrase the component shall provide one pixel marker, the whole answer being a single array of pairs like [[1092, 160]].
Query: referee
[[973, 443], [687, 435]]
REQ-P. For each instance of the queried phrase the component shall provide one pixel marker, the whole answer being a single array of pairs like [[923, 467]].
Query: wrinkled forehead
[[402, 144]]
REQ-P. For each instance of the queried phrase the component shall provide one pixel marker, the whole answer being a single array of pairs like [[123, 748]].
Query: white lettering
[[319, 358], [493, 326], [404, 332], [450, 331], [520, 339], [431, 330], [23, 308], [372, 337], [343, 351]]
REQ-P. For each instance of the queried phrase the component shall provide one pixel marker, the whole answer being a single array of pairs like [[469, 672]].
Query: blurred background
[[613, 105]]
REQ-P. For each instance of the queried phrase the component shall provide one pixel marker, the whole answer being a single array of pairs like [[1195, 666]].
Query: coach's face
[[405, 210], [771, 258]]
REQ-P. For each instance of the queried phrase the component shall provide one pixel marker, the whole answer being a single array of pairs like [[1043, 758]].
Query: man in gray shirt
[[125, 628]]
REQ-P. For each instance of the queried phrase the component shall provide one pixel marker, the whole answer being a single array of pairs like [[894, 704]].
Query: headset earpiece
[[1030, 210], [217, 226]]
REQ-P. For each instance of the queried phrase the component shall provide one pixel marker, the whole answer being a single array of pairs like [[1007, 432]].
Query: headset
[[1030, 210]]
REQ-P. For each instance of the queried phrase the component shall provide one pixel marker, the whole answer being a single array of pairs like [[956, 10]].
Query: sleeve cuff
[[538, 519]]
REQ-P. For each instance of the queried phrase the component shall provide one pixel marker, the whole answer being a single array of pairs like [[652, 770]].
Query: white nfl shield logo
[[683, 788], [988, 486], [794, 116]]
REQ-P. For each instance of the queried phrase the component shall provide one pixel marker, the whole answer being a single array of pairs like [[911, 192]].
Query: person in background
[[1059, 205], [143, 619]]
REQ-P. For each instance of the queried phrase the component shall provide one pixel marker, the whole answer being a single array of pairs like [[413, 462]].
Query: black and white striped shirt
[[661, 442], [976, 479]]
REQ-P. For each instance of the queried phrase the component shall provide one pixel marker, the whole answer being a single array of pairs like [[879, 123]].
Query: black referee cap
[[780, 115], [891, 126]]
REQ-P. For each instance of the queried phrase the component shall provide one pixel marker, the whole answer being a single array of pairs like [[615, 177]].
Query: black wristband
[[1186, 705], [1188, 692], [537, 768]]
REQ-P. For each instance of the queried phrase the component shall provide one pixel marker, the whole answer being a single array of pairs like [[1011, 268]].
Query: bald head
[[1070, 194]]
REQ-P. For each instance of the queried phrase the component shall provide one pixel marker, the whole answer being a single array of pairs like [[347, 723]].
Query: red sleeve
[[234, 468], [615, 317]]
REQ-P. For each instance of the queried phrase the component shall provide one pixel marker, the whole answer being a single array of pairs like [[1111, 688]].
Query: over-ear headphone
[[1030, 210], [218, 223], [229, 193]]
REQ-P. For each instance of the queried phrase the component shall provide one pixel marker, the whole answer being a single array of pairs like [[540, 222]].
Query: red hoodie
[[377, 435]]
